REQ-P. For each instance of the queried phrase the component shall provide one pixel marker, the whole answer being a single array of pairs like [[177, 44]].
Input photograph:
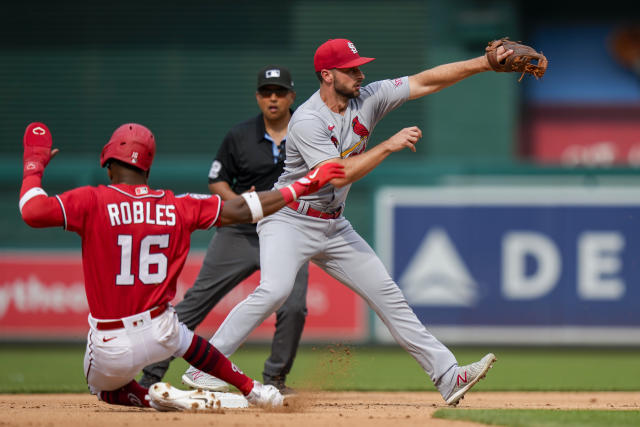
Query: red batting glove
[[37, 149], [312, 181]]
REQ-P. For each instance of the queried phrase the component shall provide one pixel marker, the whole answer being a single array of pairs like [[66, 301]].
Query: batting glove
[[312, 181], [37, 149]]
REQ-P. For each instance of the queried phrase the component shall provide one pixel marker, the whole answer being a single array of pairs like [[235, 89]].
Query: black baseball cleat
[[148, 380], [279, 383]]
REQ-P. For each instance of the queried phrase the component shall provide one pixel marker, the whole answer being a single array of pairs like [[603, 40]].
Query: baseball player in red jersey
[[135, 241]]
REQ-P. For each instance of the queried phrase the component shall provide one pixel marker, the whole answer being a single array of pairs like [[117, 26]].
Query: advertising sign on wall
[[584, 136], [516, 264], [42, 296]]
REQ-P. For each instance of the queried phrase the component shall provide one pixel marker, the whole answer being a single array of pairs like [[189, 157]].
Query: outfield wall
[[42, 298], [523, 255], [189, 74], [539, 264]]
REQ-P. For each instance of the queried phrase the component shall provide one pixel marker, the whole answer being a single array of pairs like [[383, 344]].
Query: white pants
[[114, 357], [287, 240]]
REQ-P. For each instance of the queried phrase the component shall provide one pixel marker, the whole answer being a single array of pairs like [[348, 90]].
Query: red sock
[[202, 355], [132, 394]]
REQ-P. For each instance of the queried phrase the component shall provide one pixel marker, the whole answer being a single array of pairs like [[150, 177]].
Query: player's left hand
[[37, 144], [504, 55]]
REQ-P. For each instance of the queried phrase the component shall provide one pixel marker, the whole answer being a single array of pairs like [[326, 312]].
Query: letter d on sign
[[515, 282]]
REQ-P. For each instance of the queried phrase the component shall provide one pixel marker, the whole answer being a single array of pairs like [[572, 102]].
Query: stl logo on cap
[[134, 157], [272, 74], [338, 53]]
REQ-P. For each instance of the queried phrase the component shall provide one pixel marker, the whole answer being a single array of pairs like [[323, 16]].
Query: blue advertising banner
[[516, 265]]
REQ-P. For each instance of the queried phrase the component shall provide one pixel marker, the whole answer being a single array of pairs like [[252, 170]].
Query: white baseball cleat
[[264, 395], [164, 397], [468, 376], [195, 378], [157, 406]]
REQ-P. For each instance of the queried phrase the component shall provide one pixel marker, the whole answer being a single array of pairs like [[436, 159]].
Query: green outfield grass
[[542, 417], [47, 368]]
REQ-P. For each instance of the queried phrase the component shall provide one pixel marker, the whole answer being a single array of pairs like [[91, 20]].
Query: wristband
[[255, 206], [288, 193], [33, 167], [30, 194]]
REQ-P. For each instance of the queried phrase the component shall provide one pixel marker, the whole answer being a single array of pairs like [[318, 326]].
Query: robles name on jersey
[[137, 212]]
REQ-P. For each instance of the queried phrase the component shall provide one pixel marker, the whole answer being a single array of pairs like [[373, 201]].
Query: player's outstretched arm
[[442, 76], [37, 209], [252, 207]]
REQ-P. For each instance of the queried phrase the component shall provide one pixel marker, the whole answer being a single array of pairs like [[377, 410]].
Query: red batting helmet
[[131, 143]]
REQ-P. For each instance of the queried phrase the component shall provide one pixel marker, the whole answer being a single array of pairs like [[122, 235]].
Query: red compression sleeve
[[37, 209], [132, 394], [202, 355]]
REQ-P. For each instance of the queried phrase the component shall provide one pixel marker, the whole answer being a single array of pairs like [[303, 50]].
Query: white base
[[231, 400]]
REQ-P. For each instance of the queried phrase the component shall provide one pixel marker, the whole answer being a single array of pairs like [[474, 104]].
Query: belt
[[118, 324], [314, 212]]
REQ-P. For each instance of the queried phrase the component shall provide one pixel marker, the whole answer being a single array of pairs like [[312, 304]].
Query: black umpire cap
[[275, 75]]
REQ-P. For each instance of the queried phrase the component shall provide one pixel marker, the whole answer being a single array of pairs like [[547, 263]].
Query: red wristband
[[294, 191], [32, 168], [288, 194]]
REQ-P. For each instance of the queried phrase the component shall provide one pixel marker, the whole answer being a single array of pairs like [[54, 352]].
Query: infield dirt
[[334, 409]]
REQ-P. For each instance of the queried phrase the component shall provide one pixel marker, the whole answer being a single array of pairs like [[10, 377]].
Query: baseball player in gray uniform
[[334, 125]]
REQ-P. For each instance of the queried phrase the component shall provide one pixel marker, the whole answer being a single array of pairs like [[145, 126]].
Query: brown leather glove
[[524, 59]]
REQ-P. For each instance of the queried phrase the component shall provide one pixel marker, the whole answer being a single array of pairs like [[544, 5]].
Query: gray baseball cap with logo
[[275, 75]]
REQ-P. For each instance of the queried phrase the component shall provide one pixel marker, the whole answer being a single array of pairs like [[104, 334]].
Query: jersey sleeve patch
[[214, 172]]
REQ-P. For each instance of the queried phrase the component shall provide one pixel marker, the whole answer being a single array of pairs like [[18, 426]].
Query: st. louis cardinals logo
[[334, 140], [359, 128], [362, 131]]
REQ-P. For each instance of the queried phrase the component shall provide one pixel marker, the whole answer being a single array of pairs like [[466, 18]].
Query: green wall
[[187, 70]]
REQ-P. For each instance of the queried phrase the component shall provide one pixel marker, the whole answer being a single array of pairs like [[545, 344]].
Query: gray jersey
[[317, 134], [290, 238]]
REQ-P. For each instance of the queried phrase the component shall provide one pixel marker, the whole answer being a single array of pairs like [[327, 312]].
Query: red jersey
[[135, 242]]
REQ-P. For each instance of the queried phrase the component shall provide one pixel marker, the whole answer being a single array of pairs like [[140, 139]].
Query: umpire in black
[[250, 158]]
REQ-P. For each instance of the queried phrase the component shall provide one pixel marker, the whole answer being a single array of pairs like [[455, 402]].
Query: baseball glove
[[524, 59]]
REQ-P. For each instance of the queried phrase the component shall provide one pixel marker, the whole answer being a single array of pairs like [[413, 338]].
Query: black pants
[[232, 256]]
